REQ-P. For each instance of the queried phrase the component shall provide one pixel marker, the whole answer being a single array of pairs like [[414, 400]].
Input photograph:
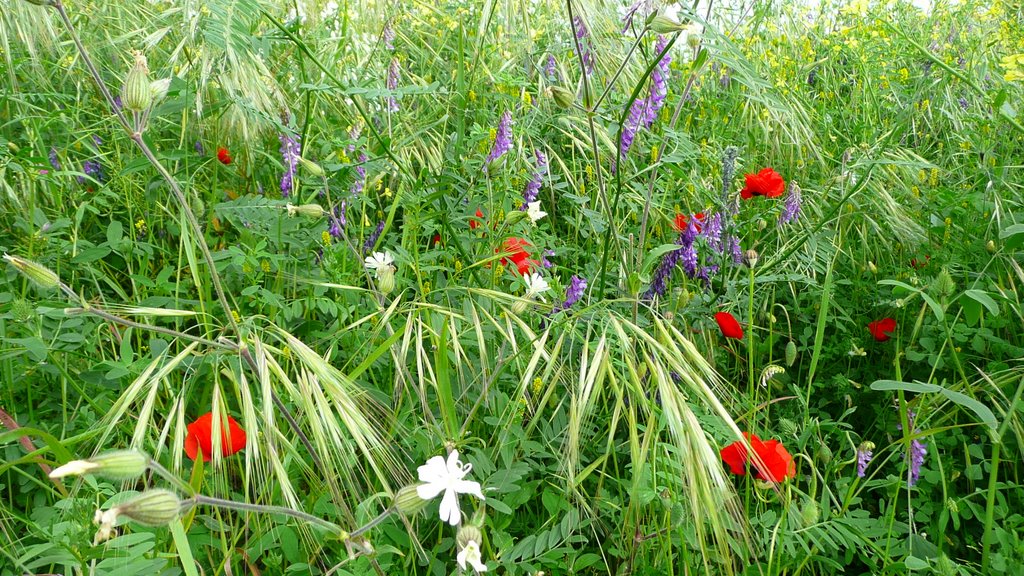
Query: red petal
[[729, 326], [200, 437]]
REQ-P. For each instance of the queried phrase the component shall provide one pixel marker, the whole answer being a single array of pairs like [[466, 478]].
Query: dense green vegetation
[[542, 287]]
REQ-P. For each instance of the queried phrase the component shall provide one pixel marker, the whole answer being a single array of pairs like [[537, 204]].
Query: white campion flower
[[470, 554], [379, 261], [74, 468], [534, 212], [535, 285], [106, 520], [439, 476]]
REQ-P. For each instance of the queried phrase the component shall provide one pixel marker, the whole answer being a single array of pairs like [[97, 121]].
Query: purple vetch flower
[[631, 126], [641, 8], [659, 83], [353, 134], [659, 281], [689, 256], [577, 286], [864, 456], [963, 103], [200, 150], [686, 255], [117, 102], [532, 189], [544, 262], [712, 232], [551, 68], [791, 209], [735, 250], [502, 138], [290, 150], [91, 168], [54, 160], [918, 450], [96, 141], [337, 221], [583, 37], [393, 84], [360, 181], [389, 37], [371, 240]]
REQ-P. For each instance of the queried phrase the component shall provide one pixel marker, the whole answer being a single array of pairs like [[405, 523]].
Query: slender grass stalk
[[988, 535]]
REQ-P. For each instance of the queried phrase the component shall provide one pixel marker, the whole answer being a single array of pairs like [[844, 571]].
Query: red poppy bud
[[200, 437], [767, 183], [473, 223], [223, 155], [882, 329], [729, 326]]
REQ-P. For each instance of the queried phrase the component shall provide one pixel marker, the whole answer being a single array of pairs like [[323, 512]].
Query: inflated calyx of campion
[[665, 25], [117, 465], [562, 97], [311, 166], [307, 210], [156, 507], [408, 502], [37, 273], [137, 94]]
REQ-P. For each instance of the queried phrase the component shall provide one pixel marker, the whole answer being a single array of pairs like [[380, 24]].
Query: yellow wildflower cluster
[[1014, 66]]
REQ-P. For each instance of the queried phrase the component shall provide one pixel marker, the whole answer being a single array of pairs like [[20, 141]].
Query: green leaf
[[940, 313], [973, 300], [1013, 235], [984, 414]]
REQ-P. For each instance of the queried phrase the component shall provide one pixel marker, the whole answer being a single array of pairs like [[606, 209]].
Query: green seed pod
[[407, 501], [790, 353], [37, 273], [991, 247], [307, 210], [120, 464], [136, 95], [156, 507], [665, 25], [386, 279], [515, 216], [312, 167], [750, 258], [562, 97]]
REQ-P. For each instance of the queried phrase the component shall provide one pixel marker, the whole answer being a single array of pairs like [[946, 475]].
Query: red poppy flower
[[436, 240], [681, 221], [914, 262], [517, 255], [729, 326], [223, 155], [776, 463], [767, 183], [882, 329], [200, 437], [473, 223]]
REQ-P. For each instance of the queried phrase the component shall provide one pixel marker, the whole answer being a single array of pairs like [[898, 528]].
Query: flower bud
[[693, 37], [519, 306], [810, 513], [872, 267], [156, 507], [136, 93], [13, 147], [991, 247], [790, 353], [788, 427], [37, 273], [407, 501], [750, 258], [386, 279], [515, 216], [117, 465], [562, 97], [307, 210], [313, 167], [665, 25], [468, 533], [158, 89]]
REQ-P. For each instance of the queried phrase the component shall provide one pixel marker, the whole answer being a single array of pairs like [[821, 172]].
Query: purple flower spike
[[864, 456], [532, 189], [290, 149], [371, 240], [54, 160], [791, 210], [393, 84], [502, 138]]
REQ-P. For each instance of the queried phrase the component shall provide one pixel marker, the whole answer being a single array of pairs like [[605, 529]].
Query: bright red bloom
[[517, 255], [682, 220], [436, 240], [882, 329], [200, 437], [776, 463], [767, 183], [729, 326], [473, 223], [916, 264], [223, 155]]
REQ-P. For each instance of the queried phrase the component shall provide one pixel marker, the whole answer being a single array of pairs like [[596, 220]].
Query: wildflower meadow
[[545, 287]]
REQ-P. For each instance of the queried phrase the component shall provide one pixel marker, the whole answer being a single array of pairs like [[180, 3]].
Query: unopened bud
[[790, 353], [386, 279], [515, 216], [136, 93], [750, 258], [468, 533], [158, 89], [693, 37], [307, 210], [117, 465], [156, 507], [313, 167], [12, 147], [872, 267], [37, 273], [810, 513], [562, 97], [665, 25], [991, 247], [408, 502], [519, 306], [788, 427]]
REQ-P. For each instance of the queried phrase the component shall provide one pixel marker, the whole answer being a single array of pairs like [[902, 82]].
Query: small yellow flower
[[458, 266], [933, 179], [234, 314], [265, 265], [472, 95], [325, 237], [537, 384]]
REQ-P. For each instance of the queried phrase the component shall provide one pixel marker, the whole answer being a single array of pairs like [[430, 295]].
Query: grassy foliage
[[208, 254]]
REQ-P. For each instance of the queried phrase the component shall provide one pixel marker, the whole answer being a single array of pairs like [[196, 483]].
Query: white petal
[[429, 491], [73, 468], [461, 558], [453, 465], [469, 487], [434, 470], [450, 508]]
